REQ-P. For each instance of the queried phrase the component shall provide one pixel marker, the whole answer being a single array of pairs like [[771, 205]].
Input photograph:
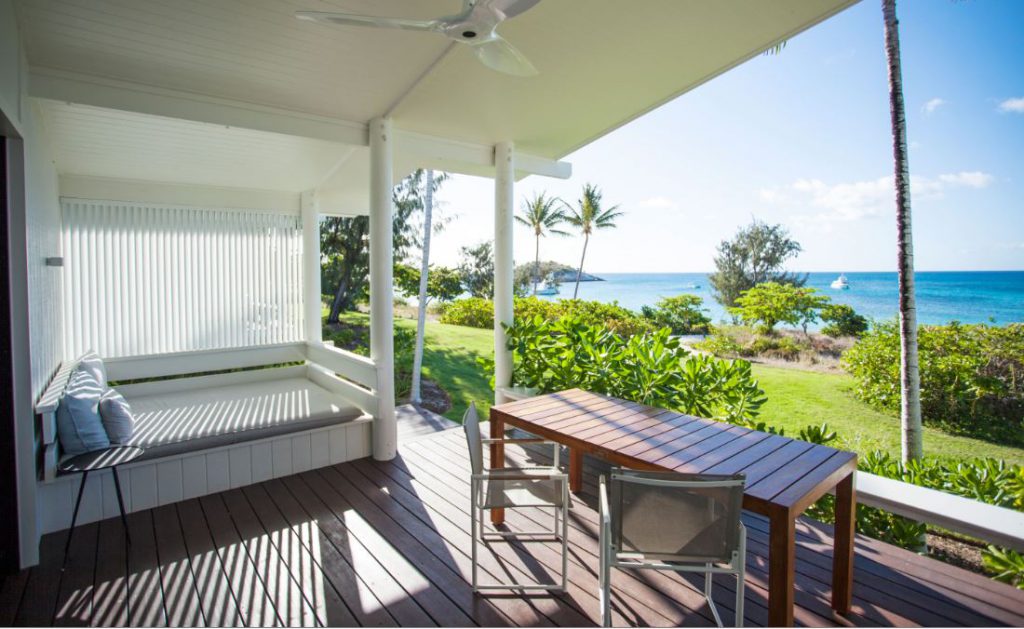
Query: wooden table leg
[[842, 557], [497, 460], [781, 567], [575, 470]]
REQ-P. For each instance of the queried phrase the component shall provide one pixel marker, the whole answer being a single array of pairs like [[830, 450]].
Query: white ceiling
[[602, 62], [98, 142]]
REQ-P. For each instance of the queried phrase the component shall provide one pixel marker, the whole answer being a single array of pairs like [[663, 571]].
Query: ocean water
[[942, 296]]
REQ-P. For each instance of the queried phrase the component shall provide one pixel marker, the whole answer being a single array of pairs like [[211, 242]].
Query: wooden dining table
[[783, 476]]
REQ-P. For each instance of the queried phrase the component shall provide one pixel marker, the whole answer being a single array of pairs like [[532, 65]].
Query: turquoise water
[[942, 296]]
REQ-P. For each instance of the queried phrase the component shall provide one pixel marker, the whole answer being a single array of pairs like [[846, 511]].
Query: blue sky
[[802, 138]]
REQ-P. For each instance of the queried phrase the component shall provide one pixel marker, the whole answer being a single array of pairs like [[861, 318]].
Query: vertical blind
[[148, 279]]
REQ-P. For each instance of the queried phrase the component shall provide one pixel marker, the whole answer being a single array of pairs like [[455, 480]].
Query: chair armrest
[[521, 473], [523, 440]]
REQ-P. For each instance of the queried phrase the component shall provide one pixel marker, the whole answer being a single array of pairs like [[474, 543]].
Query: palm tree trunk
[[421, 322], [579, 273], [536, 265], [910, 377]]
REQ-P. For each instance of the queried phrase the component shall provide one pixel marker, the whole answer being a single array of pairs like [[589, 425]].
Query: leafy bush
[[971, 376], [842, 320], [475, 312], [1005, 565], [783, 347], [479, 313], [769, 304], [719, 344], [650, 368], [682, 314], [356, 339]]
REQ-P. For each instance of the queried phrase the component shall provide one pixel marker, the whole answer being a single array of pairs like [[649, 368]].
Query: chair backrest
[[471, 426], [668, 516]]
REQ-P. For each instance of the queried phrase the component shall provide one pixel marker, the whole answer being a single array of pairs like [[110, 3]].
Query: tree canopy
[[754, 255]]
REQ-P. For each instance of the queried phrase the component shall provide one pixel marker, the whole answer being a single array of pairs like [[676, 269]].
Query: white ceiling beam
[[418, 150], [121, 95]]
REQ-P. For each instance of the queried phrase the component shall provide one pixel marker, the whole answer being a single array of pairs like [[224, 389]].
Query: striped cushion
[[186, 421]]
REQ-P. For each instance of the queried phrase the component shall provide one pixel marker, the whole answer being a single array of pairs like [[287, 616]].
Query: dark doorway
[[8, 454]]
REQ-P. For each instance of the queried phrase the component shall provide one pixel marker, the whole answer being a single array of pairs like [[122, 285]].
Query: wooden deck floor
[[387, 544]]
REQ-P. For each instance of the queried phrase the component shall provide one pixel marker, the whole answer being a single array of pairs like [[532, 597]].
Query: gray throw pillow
[[79, 427], [117, 417], [92, 363]]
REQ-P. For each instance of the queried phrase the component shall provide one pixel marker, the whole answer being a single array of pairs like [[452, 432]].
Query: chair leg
[[741, 577], [74, 518], [473, 515], [565, 535]]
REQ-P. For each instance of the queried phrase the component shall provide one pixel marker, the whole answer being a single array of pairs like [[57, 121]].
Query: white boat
[[549, 288], [841, 283]]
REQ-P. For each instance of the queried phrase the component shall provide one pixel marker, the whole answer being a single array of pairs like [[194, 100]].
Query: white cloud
[[974, 179], [934, 104], [659, 203], [1013, 105], [858, 200]]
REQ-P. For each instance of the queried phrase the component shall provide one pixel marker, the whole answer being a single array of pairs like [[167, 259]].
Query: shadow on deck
[[386, 544]]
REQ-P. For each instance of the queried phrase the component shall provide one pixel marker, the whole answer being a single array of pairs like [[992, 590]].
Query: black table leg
[[74, 518], [120, 505]]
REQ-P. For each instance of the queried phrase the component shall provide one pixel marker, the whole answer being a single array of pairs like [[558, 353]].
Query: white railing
[[150, 279], [989, 523]]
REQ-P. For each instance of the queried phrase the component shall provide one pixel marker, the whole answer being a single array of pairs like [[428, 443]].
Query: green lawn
[[795, 398]]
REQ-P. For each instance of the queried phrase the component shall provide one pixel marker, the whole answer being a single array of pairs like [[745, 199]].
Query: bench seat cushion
[[196, 419]]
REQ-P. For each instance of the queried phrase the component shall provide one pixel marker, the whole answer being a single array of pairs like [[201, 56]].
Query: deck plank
[[255, 604], [110, 594], [74, 601], [217, 601], [145, 590], [181, 597], [273, 568], [390, 541]]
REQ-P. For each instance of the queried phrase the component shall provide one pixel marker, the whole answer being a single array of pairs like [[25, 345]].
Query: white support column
[[311, 295], [382, 342], [504, 191]]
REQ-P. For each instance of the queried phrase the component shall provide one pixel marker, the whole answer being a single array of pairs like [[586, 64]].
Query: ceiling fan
[[475, 27]]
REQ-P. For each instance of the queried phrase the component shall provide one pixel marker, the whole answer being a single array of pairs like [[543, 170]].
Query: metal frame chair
[[696, 528], [495, 488]]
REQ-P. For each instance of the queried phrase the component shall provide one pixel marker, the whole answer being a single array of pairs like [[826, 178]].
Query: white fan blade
[[368, 20], [510, 8], [502, 56]]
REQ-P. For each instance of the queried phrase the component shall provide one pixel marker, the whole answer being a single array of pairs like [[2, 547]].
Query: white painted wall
[[35, 217]]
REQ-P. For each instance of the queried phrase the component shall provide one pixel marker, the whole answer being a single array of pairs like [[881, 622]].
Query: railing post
[[385, 430], [311, 295], [504, 191]]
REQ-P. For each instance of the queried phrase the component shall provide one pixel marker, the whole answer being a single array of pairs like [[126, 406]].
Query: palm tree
[[588, 217], [541, 214], [910, 377]]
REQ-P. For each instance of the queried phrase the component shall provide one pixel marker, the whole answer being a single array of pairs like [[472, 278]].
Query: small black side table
[[95, 461]]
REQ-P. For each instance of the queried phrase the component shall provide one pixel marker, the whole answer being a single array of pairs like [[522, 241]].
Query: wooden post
[[781, 567], [382, 342], [504, 190], [842, 558], [311, 267], [575, 470]]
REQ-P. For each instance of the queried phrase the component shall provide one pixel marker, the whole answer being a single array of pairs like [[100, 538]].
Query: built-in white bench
[[205, 434]]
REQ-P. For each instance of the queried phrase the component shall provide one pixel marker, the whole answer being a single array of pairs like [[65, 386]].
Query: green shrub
[[479, 313], [842, 320], [475, 312], [650, 368], [682, 314], [971, 376], [769, 304], [1005, 565], [783, 347], [719, 344], [356, 339]]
